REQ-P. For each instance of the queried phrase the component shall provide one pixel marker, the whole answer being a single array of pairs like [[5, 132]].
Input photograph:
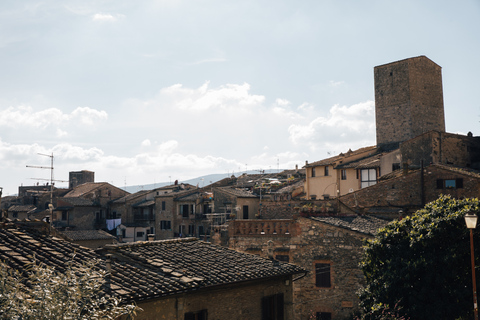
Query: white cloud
[[343, 124], [146, 143], [25, 117], [61, 133], [226, 97], [106, 17], [336, 83], [88, 116]]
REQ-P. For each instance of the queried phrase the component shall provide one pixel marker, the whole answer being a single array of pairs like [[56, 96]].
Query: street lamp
[[471, 221]]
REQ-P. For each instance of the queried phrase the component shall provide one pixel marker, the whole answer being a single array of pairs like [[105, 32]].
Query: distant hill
[[200, 181]]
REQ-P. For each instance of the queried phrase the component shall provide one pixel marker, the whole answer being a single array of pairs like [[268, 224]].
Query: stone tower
[[408, 100], [76, 178]]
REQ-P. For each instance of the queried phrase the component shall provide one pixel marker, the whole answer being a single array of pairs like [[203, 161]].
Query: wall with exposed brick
[[233, 302], [311, 242]]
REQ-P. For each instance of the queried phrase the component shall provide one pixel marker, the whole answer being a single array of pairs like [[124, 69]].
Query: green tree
[[40, 292], [422, 264]]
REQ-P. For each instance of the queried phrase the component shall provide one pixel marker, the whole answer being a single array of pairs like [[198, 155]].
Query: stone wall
[[311, 242], [408, 100], [405, 192], [233, 302], [442, 147]]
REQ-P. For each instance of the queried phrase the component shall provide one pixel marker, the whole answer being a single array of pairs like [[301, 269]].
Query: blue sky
[[151, 91]]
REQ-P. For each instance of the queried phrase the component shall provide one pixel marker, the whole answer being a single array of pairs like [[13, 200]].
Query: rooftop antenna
[[50, 206]]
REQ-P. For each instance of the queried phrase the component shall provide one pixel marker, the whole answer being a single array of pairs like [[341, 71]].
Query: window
[[322, 275], [323, 316], [313, 172], [395, 166], [64, 215], [344, 174], [272, 307], [450, 183], [245, 212], [191, 229], [163, 205], [198, 315], [140, 234], [181, 231], [15, 214], [184, 210], [326, 171], [201, 230], [282, 257], [165, 225], [368, 177]]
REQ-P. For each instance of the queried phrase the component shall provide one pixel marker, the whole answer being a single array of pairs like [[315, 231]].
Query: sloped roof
[[369, 162], [144, 203], [363, 224], [84, 188], [79, 202], [341, 156], [194, 263], [22, 208], [79, 235], [241, 193], [144, 270], [132, 196]]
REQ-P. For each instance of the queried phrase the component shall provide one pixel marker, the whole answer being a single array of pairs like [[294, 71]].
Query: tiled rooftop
[[197, 263], [82, 189], [238, 192], [78, 202], [364, 224], [144, 270], [79, 235], [342, 156], [22, 208]]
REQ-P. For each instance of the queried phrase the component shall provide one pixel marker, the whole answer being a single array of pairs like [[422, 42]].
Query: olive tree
[[41, 292], [422, 264]]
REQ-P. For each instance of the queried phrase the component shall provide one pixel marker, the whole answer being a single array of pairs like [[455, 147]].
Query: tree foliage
[[41, 292], [422, 263]]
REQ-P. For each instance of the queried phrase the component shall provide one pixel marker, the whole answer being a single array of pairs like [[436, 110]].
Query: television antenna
[[50, 206]]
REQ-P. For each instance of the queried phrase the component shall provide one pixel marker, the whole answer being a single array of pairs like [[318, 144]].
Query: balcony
[[278, 228]]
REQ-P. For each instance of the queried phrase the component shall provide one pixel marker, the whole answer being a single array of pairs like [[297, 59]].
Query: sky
[[152, 91]]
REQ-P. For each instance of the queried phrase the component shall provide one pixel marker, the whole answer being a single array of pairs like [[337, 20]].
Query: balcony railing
[[281, 228]]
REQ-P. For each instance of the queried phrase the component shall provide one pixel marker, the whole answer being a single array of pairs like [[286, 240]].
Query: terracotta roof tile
[[144, 270], [364, 224]]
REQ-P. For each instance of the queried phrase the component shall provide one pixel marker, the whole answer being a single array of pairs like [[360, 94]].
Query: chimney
[[151, 237]]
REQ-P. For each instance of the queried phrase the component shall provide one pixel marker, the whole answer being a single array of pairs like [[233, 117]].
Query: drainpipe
[[422, 184]]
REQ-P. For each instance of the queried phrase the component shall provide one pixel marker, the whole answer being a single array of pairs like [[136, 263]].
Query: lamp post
[[471, 221]]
